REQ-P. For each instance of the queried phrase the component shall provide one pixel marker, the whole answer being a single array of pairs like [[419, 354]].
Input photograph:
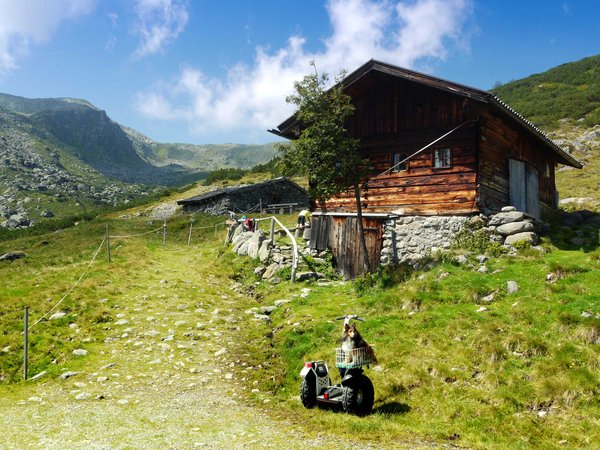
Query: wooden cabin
[[438, 148]]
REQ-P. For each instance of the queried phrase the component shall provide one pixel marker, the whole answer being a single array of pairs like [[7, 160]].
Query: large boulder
[[515, 227], [506, 217], [265, 250], [527, 237], [254, 243]]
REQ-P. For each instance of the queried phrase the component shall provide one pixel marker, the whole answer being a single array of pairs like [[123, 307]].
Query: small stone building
[[271, 194]]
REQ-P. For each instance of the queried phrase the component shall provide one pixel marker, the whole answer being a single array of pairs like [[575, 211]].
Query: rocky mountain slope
[[64, 156]]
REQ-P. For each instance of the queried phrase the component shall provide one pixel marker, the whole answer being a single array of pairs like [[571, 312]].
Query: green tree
[[325, 151]]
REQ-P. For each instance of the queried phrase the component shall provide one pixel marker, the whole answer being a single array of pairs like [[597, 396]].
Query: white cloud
[[159, 23], [251, 98], [24, 23]]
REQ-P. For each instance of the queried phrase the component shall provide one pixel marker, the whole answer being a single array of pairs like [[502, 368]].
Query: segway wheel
[[308, 391], [359, 397]]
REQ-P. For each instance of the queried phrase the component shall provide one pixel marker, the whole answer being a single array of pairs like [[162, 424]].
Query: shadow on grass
[[576, 230], [392, 408]]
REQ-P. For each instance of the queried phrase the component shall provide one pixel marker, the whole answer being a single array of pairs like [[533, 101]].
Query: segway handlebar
[[349, 317]]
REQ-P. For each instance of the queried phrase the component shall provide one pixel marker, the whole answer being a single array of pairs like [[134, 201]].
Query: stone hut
[[269, 195]]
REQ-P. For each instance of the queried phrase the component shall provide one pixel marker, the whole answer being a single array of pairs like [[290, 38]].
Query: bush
[[383, 278]]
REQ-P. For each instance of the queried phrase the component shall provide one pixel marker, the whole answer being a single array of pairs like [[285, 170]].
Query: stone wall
[[408, 239]]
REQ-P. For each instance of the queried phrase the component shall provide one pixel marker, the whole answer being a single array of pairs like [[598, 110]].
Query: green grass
[[524, 374]]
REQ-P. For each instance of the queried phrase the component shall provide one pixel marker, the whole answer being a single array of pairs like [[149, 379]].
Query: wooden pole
[[190, 235], [26, 343], [165, 233], [107, 244], [272, 231]]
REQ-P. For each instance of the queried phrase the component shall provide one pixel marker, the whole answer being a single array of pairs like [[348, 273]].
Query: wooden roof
[[367, 76], [239, 189]]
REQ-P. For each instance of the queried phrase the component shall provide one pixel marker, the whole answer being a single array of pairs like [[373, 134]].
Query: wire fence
[[177, 235]]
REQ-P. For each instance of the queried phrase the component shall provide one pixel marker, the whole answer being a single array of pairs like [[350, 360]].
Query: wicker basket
[[357, 357]]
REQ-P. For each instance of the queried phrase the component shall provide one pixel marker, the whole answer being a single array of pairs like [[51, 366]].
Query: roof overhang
[[290, 128]]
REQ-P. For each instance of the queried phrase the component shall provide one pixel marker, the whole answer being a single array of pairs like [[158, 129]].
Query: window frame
[[444, 159], [393, 162]]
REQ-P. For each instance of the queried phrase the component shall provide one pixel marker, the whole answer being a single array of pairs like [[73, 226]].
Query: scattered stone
[[229, 376], [586, 314], [259, 271], [489, 298], [123, 401], [508, 209], [279, 303], [163, 281], [305, 276], [5, 349], [512, 287], [11, 256], [461, 259], [481, 259], [483, 269], [221, 352], [57, 315], [35, 399], [482, 309], [82, 396], [66, 375], [80, 352], [122, 322], [262, 317], [102, 379], [39, 375]]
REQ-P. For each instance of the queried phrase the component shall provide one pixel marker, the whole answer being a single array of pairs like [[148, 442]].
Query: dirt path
[[162, 378]]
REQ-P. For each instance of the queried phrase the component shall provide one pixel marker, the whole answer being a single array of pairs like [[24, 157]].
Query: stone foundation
[[408, 239]]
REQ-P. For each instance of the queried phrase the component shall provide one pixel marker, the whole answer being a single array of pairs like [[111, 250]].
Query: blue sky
[[215, 72]]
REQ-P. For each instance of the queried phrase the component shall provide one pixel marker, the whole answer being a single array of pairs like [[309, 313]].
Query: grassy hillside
[[568, 92], [524, 371]]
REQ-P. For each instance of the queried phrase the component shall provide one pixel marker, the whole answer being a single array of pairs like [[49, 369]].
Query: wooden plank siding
[[395, 115], [500, 142]]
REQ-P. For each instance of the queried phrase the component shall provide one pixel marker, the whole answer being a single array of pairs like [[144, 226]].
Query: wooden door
[[524, 187]]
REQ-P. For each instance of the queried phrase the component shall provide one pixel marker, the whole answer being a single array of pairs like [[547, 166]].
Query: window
[[396, 158], [441, 158]]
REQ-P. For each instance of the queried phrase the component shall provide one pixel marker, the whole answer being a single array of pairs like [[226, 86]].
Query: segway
[[354, 395]]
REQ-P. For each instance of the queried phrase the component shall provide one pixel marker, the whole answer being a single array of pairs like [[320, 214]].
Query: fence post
[[272, 231], [26, 343], [165, 233], [190, 235], [107, 244]]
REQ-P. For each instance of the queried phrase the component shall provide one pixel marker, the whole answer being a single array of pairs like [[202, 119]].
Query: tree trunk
[[361, 230]]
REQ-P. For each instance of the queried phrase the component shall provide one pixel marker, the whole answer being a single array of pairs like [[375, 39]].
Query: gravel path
[[163, 378]]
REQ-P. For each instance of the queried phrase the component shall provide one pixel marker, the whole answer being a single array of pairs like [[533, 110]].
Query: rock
[[5, 349], [489, 298], [526, 237], [267, 310], [39, 375], [66, 375], [262, 317], [259, 271], [586, 314], [461, 259], [82, 396], [512, 287], [11, 256], [482, 309], [80, 352], [265, 250], [47, 214], [482, 259], [508, 209], [506, 217], [255, 243], [122, 322], [279, 303], [57, 315], [514, 227], [271, 271], [483, 269], [221, 352], [305, 276]]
